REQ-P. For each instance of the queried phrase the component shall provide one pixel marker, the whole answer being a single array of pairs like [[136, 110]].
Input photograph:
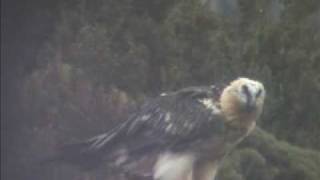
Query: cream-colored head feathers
[[242, 100]]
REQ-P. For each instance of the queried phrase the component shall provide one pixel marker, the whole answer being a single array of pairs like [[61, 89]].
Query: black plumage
[[176, 121]]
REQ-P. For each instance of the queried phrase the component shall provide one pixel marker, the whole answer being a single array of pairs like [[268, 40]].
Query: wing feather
[[177, 118], [172, 121]]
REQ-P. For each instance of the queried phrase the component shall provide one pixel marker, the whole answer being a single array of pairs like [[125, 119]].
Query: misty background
[[72, 69]]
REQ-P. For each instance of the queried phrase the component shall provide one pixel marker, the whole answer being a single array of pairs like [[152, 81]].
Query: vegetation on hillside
[[105, 57]]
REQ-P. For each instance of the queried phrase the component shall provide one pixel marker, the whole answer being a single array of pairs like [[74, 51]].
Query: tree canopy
[[103, 57]]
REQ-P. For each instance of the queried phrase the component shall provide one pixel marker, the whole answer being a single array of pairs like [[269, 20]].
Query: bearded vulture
[[189, 131]]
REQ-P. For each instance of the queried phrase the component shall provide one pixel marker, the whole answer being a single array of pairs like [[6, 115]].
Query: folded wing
[[169, 122]]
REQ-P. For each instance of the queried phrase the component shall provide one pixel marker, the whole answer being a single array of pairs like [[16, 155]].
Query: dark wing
[[171, 121], [174, 120]]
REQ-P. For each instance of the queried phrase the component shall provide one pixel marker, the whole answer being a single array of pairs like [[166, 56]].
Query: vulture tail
[[87, 154]]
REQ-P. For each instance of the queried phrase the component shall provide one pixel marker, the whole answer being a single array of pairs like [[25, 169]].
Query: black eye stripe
[[245, 89], [259, 93]]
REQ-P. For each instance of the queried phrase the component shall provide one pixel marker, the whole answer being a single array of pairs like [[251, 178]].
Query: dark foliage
[[95, 61]]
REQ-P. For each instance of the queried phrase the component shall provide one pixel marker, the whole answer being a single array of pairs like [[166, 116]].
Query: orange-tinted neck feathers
[[233, 100]]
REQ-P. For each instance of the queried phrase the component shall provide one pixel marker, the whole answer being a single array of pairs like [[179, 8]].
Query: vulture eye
[[259, 93], [245, 89]]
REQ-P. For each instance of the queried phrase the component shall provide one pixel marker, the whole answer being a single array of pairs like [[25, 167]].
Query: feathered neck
[[232, 111]]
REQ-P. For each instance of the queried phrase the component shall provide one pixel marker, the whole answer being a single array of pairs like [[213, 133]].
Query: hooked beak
[[250, 104]]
